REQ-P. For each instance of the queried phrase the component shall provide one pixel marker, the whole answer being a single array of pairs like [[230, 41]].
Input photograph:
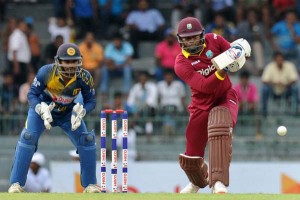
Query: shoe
[[219, 188], [15, 188], [92, 188], [190, 188]]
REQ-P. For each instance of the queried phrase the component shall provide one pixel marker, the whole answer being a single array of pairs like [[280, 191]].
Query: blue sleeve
[[88, 91], [128, 49], [38, 85]]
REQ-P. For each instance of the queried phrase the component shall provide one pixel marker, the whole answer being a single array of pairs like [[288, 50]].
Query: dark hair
[[244, 74], [117, 35], [277, 53]]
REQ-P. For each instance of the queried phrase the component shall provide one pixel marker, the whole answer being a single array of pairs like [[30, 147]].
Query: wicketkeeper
[[214, 105], [51, 98]]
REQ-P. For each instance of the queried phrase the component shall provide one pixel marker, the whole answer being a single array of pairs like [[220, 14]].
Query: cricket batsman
[[203, 65], [51, 99]]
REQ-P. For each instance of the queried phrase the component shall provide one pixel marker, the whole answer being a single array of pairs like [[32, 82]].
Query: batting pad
[[195, 168], [220, 146]]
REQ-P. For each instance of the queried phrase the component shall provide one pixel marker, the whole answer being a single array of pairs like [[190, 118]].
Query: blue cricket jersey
[[49, 86]]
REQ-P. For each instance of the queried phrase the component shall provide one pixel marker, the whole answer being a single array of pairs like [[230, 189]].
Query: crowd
[[108, 34]]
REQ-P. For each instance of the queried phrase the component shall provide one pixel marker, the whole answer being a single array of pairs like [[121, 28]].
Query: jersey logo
[[71, 51], [209, 54], [36, 82], [76, 91]]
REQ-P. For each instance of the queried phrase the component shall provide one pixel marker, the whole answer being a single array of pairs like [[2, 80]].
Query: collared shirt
[[148, 20], [18, 42], [167, 54], [247, 94], [273, 74], [119, 56], [91, 57]]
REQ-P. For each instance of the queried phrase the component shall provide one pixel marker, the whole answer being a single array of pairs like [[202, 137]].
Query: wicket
[[114, 158]]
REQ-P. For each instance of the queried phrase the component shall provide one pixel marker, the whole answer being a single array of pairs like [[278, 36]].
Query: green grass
[[146, 196]]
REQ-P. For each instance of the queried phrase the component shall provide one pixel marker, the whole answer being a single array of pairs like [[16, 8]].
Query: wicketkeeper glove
[[78, 113], [44, 111]]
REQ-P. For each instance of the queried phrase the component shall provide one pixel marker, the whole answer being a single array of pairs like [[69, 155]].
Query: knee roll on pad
[[195, 168], [27, 137], [220, 144], [87, 139]]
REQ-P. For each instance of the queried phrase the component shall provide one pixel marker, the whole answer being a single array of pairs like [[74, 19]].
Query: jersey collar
[[187, 54]]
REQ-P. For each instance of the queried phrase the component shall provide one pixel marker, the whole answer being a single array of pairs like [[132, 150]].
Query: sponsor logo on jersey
[[195, 62], [62, 99], [209, 54], [207, 71]]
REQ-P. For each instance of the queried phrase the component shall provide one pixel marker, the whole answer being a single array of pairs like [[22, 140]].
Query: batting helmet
[[191, 27]]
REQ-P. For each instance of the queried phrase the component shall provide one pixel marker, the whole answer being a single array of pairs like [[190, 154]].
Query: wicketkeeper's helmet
[[68, 52]]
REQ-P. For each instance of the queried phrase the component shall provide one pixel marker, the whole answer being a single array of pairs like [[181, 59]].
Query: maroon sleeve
[[196, 80]]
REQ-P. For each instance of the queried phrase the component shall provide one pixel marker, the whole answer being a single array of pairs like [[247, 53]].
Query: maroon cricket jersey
[[199, 73]]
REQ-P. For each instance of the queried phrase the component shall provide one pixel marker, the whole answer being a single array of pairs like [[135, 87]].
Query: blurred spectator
[[38, 177], [23, 91], [171, 95], [51, 49], [2, 10], [19, 54], [145, 23], [142, 102], [253, 31], [8, 103], [280, 81], [182, 9], [35, 47], [117, 102], [247, 94], [84, 14], [281, 6], [286, 37], [9, 93], [58, 26], [92, 56], [221, 27], [166, 52], [112, 16], [10, 26], [248, 101], [59, 7], [226, 7], [117, 62]]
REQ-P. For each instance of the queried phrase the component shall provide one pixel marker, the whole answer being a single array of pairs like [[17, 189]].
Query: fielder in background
[[38, 177], [214, 105], [51, 98]]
